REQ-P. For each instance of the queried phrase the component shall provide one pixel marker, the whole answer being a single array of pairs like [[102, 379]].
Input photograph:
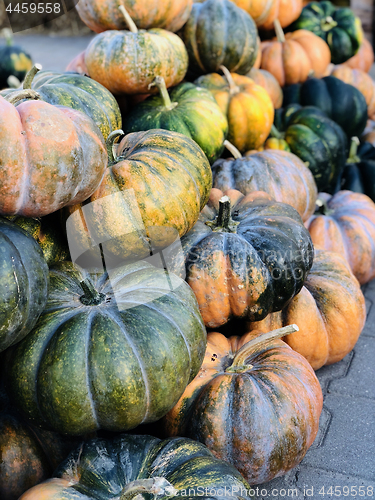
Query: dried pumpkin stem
[[157, 486], [129, 21], [328, 23], [233, 88], [110, 144], [223, 222], [239, 361], [279, 31], [21, 95], [232, 149], [30, 75], [159, 82], [91, 296], [8, 35], [275, 133], [353, 158]]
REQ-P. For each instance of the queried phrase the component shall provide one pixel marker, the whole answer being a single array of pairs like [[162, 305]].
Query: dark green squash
[[314, 138], [24, 283], [359, 172], [109, 352], [188, 109], [218, 33], [129, 465], [340, 101], [338, 26], [14, 61]]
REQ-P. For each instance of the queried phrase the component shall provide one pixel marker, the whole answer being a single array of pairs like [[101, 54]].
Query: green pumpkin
[[128, 465], [359, 172], [188, 109], [218, 33], [338, 26], [24, 283], [314, 138], [340, 101], [108, 352], [14, 61]]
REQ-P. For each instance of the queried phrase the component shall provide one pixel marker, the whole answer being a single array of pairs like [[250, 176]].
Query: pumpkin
[[266, 80], [340, 101], [338, 26], [245, 257], [150, 466], [330, 309], [293, 57], [77, 64], [152, 193], [101, 15], [314, 138], [255, 403], [346, 225], [361, 81], [77, 92], [265, 12], [247, 106], [189, 110], [126, 62], [14, 61], [363, 59], [218, 33], [24, 284], [267, 171], [111, 350], [275, 143], [369, 133], [52, 156], [359, 172]]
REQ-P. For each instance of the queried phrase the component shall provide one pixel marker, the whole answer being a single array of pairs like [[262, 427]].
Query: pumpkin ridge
[[244, 55], [89, 368]]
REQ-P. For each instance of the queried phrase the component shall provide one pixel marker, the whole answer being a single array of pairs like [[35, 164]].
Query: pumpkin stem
[[8, 35], [223, 221], [15, 97], [353, 158], [328, 23], [322, 207], [157, 486], [30, 75], [110, 144], [239, 361], [279, 31], [129, 21], [159, 82], [233, 88], [91, 297], [232, 149], [275, 133]]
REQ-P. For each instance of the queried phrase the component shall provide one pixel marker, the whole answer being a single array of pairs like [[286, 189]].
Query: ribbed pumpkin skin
[[330, 311], [61, 150], [363, 59], [264, 12], [247, 106], [13, 61], [344, 38], [195, 114], [219, 33], [294, 60], [267, 171], [251, 270], [348, 228], [101, 15], [105, 467], [266, 80], [341, 102], [110, 366], [127, 63], [359, 173], [24, 284], [159, 186], [262, 419]]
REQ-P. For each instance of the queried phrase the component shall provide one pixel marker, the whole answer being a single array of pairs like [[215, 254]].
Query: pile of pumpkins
[[187, 217]]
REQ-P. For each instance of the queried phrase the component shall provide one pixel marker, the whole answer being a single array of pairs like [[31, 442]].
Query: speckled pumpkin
[[264, 12], [52, 156], [108, 352], [346, 224], [245, 257], [24, 283], [267, 171], [255, 403], [127, 465], [330, 310], [247, 106], [101, 15], [363, 59], [266, 80]]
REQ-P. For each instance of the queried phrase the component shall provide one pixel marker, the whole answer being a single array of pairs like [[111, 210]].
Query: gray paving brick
[[336, 371]]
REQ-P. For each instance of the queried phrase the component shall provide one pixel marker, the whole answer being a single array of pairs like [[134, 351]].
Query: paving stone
[[336, 371]]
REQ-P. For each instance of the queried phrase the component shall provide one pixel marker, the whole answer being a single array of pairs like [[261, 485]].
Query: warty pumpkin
[[144, 465], [266, 80], [245, 257], [330, 310], [111, 350], [255, 403], [247, 106], [363, 59], [126, 62]]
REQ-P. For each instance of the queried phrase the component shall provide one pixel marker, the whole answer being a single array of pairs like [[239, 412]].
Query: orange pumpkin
[[264, 12], [266, 80], [363, 59], [247, 106], [330, 311], [78, 65], [293, 57], [347, 225]]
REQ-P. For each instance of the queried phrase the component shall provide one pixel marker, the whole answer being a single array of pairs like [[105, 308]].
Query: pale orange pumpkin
[[266, 80], [264, 12], [363, 59]]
